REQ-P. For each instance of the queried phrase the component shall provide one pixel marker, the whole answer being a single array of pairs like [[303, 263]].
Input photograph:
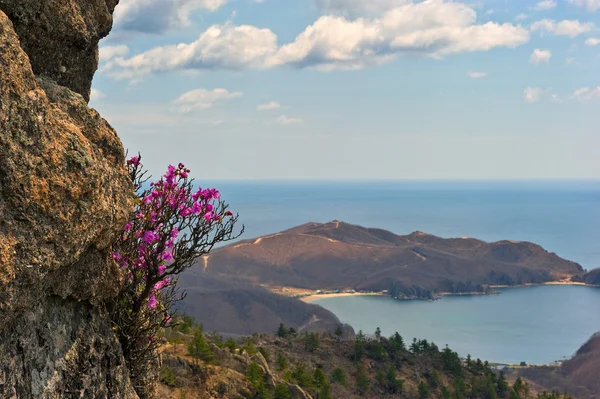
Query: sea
[[536, 325]]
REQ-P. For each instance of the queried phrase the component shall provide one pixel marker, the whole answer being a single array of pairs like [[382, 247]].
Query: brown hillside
[[578, 376], [338, 255], [239, 308]]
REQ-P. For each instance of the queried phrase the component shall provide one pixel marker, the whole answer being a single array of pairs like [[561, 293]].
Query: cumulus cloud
[[96, 94], [532, 94], [566, 27], [219, 47], [586, 94], [540, 56], [590, 5], [476, 75], [158, 16], [109, 52], [592, 41], [521, 17], [271, 105], [432, 28], [544, 5], [203, 99], [286, 120]]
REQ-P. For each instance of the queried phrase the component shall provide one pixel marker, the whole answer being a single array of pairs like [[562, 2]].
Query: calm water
[[535, 324], [562, 217]]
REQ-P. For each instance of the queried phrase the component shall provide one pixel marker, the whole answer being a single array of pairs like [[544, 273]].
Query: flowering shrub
[[173, 224]]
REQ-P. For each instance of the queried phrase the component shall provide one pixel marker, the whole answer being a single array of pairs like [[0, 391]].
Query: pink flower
[[181, 166], [197, 208], [228, 213], [208, 216], [169, 244], [135, 161], [152, 302], [209, 208], [174, 232], [128, 226], [168, 319], [183, 174], [150, 237], [186, 212], [161, 269], [167, 256]]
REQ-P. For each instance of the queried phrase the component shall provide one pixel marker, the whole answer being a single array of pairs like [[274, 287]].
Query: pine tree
[[282, 332], [199, 348]]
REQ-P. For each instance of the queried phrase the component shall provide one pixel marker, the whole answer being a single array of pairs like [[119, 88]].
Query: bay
[[537, 325]]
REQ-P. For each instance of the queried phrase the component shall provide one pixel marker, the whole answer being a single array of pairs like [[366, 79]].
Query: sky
[[353, 89]]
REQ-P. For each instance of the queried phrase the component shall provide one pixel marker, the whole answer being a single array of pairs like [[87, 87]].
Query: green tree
[[230, 344], [311, 342], [394, 385], [199, 348], [323, 388], [339, 332], [415, 347], [255, 375], [360, 343], [377, 333], [362, 382], [451, 361], [376, 351], [502, 385], [446, 394], [282, 362], [338, 376], [423, 390], [434, 379], [301, 376], [282, 391], [282, 332]]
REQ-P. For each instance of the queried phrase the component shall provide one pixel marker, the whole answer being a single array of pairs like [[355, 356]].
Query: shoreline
[[314, 297], [307, 296]]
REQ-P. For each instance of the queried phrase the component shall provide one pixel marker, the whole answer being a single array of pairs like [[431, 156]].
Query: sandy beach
[[314, 297]]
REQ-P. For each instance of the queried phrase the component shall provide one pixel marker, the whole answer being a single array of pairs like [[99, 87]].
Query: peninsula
[[338, 256]]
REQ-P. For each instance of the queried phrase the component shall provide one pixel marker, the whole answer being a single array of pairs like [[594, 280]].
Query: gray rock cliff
[[64, 196]]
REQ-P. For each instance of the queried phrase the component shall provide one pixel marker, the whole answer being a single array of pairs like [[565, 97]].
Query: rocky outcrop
[[64, 196], [61, 37]]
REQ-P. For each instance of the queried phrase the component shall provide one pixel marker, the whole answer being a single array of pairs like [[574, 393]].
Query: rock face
[[64, 195], [61, 37]]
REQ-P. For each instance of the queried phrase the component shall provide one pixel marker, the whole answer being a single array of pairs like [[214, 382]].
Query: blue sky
[[350, 89]]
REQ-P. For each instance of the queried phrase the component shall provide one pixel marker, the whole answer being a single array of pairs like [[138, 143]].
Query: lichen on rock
[[64, 196]]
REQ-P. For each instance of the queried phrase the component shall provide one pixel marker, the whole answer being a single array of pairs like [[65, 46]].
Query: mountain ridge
[[338, 255]]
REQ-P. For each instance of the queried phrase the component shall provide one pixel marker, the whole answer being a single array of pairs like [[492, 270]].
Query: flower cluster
[[174, 223], [168, 205]]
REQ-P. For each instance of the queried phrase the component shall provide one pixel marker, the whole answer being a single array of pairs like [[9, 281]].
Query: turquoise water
[[564, 217], [537, 325]]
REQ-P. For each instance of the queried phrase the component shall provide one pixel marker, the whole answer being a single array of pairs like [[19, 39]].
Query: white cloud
[[570, 61], [591, 5], [109, 52], [268, 106], [432, 28], [286, 120], [477, 75], [544, 5], [203, 99], [157, 16], [540, 56], [586, 94], [219, 47], [521, 17], [532, 94], [569, 28], [592, 41], [96, 94]]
